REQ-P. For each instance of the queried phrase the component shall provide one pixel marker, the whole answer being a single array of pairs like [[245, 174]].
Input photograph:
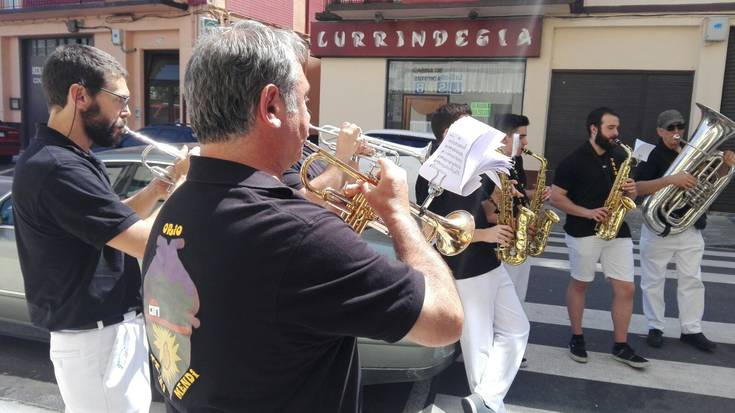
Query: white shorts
[[615, 256]]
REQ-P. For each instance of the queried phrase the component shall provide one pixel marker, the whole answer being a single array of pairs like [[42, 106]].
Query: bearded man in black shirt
[[582, 183], [686, 248]]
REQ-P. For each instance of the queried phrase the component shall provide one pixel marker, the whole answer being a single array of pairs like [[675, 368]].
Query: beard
[[603, 142], [99, 129]]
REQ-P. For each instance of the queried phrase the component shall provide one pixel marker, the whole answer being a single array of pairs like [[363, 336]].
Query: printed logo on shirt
[[170, 303]]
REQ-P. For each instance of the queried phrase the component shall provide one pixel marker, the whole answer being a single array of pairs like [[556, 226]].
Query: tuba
[[616, 203], [515, 252], [545, 218], [157, 171], [672, 210], [451, 235]]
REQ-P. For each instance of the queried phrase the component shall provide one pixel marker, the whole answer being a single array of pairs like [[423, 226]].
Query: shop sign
[[518, 37], [434, 81]]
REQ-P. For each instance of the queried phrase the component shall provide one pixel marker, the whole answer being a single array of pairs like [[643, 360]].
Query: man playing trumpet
[[277, 287]]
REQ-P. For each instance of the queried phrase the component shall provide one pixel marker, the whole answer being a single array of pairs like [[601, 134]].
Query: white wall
[[353, 90]]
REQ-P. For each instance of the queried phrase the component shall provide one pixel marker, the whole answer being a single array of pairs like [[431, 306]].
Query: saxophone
[[616, 203], [515, 252], [545, 218]]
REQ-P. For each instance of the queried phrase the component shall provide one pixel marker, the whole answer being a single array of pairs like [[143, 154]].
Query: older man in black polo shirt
[[686, 248], [77, 241], [253, 295], [582, 183]]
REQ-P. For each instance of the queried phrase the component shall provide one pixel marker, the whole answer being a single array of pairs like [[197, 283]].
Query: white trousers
[[494, 335], [686, 250], [519, 274], [103, 370]]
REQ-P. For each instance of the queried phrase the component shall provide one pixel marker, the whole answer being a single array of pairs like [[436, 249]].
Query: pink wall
[[278, 12]]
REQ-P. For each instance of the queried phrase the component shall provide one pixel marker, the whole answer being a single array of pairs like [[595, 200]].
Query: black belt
[[98, 325]]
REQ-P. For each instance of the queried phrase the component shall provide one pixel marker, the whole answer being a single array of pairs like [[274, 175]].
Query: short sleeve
[[563, 175], [337, 284], [84, 205]]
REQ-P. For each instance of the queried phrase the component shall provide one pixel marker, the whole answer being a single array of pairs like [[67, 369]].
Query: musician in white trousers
[[685, 249], [495, 330]]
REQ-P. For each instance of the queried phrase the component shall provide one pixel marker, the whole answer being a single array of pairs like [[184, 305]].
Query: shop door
[[726, 201], [417, 110], [33, 102], [162, 98], [638, 97]]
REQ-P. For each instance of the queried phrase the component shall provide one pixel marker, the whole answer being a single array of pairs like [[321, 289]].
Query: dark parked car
[[381, 362], [9, 142]]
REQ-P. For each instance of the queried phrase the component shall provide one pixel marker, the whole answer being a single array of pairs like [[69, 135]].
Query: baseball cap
[[669, 117]]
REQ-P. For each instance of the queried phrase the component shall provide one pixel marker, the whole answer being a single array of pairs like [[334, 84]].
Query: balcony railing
[[20, 5]]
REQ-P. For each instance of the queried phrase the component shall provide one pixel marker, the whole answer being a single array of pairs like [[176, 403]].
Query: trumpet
[[451, 234], [157, 171], [380, 147]]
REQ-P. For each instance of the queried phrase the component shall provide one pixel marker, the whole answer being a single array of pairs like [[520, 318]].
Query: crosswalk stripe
[[445, 403], [559, 264], [705, 262], [600, 320], [662, 374], [559, 237]]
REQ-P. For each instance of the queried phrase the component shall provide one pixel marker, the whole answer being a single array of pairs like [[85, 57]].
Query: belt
[[100, 324]]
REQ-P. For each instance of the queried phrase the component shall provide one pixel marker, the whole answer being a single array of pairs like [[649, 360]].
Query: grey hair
[[229, 69]]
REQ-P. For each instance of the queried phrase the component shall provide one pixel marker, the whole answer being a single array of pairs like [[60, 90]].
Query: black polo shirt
[[65, 213], [253, 297], [588, 178], [479, 257], [658, 162]]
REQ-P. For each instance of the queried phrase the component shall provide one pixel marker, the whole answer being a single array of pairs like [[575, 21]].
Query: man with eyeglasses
[[78, 242], [685, 249]]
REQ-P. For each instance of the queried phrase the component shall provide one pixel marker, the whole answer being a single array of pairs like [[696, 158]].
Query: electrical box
[[716, 29], [117, 37]]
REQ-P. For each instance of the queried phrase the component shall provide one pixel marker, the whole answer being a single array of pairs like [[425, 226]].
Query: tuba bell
[[672, 210]]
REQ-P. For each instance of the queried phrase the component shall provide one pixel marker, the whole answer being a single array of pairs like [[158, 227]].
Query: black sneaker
[[655, 338], [577, 350], [699, 341], [524, 363], [625, 354]]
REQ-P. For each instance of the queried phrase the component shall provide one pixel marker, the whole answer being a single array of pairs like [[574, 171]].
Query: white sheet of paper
[[642, 149], [469, 149]]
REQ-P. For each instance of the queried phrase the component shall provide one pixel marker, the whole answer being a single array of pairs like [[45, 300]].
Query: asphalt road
[[681, 379]]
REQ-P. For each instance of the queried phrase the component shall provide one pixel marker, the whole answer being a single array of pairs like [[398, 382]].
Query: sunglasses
[[671, 128]]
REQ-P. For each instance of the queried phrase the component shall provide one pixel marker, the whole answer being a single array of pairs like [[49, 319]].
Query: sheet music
[[642, 149], [468, 150]]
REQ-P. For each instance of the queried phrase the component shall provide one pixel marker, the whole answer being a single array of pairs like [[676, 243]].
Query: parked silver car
[[381, 362]]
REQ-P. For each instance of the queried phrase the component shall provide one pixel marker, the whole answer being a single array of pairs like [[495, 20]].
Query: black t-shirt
[[479, 257], [659, 160], [588, 178], [253, 297], [519, 174], [292, 176], [65, 213]]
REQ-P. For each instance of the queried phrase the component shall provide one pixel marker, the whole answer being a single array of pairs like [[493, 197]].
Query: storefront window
[[162, 88], [417, 88]]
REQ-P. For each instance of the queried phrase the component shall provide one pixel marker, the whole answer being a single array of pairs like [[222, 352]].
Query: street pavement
[[681, 378]]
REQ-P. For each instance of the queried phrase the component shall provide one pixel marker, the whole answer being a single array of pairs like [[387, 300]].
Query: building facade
[[637, 57], [153, 39]]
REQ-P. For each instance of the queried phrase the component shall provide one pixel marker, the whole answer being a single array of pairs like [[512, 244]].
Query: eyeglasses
[[123, 99], [671, 128]]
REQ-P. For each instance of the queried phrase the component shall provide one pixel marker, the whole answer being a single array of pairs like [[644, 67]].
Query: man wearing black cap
[[685, 248]]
